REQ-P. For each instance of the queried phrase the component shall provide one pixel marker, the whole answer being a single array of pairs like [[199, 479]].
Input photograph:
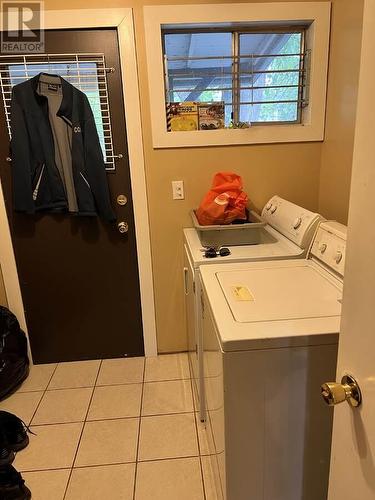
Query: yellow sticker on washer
[[241, 292]]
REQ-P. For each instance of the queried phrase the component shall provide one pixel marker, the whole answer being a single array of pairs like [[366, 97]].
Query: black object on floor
[[6, 456], [14, 431], [14, 362], [12, 486]]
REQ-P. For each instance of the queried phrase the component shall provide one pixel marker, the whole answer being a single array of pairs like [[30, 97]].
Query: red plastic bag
[[225, 202]]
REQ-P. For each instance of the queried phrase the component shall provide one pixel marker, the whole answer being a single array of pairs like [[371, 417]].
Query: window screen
[[258, 76], [270, 84], [199, 68], [87, 73]]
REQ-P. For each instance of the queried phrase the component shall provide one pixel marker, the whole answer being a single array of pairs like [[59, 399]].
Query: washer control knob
[[297, 223], [338, 257], [268, 206], [273, 209], [323, 247]]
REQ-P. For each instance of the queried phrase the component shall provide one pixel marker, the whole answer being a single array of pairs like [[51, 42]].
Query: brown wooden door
[[79, 275]]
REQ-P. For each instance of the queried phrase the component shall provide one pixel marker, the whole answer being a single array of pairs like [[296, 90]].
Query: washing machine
[[270, 338], [287, 234]]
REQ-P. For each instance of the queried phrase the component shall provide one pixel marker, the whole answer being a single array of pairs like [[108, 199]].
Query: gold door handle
[[334, 394], [123, 227]]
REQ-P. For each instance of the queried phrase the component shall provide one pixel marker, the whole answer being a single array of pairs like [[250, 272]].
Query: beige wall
[[290, 170], [337, 148]]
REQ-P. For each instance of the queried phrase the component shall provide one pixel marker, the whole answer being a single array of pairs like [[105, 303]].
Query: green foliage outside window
[[282, 112]]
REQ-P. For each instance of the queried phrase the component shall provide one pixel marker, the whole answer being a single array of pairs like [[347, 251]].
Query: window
[[259, 77], [88, 73], [253, 73]]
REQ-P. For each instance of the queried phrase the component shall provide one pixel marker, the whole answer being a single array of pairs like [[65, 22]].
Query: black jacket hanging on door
[[37, 182]]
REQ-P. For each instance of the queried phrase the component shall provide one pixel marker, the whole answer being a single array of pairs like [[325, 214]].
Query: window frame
[[236, 88], [314, 16]]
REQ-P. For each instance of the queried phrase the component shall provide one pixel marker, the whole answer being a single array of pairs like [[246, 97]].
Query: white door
[[353, 448]]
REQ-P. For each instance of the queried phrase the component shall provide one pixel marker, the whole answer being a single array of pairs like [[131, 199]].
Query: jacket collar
[[66, 106]]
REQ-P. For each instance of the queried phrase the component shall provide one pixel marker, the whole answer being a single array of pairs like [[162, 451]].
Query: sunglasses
[[212, 252]]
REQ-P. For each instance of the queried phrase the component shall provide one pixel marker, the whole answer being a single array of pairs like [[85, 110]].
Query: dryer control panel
[[329, 246], [294, 222]]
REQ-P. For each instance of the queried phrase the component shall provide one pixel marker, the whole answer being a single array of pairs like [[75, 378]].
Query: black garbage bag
[[14, 361]]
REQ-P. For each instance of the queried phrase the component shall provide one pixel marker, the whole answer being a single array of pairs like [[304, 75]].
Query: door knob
[[334, 394], [123, 227]]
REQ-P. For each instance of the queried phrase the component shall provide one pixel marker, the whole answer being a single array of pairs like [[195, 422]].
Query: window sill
[[258, 134]]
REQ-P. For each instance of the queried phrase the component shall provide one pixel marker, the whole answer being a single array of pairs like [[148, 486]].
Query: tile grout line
[[110, 385], [30, 471], [120, 418], [81, 433], [44, 393], [93, 466], [166, 380], [199, 445], [207, 454], [104, 385], [139, 429], [40, 401], [50, 380], [164, 459]]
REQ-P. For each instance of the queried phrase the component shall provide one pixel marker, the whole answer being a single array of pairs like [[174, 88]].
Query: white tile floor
[[122, 429]]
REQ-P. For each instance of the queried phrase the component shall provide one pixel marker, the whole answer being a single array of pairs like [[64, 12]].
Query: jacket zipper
[[86, 181], [35, 192]]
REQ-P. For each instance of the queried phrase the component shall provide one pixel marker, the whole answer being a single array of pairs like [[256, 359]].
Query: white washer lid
[[279, 293], [276, 246]]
